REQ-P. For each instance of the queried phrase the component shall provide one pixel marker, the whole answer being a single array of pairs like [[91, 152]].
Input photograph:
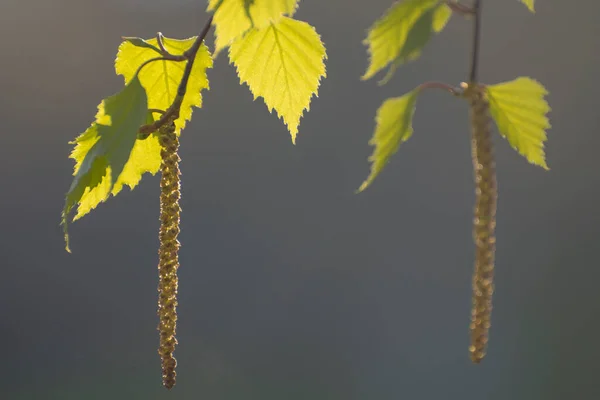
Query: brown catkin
[[169, 246], [484, 222]]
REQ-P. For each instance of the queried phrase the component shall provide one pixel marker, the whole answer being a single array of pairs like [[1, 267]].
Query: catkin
[[484, 222], [169, 246]]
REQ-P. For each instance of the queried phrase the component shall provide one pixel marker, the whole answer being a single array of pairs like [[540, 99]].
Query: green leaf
[[283, 63], [393, 127], [161, 78], [519, 109], [233, 18], [388, 39], [529, 4], [432, 21], [108, 154]]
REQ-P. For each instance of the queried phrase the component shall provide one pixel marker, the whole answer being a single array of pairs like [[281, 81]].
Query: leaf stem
[[440, 85], [165, 52], [156, 110]]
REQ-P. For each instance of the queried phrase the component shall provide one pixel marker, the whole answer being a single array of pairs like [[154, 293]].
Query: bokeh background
[[292, 286]]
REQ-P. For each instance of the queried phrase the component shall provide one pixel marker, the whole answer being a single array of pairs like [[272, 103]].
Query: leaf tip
[[363, 186], [293, 134], [367, 75]]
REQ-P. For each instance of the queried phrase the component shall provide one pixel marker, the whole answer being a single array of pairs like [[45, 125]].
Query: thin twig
[[191, 55], [440, 85], [476, 40]]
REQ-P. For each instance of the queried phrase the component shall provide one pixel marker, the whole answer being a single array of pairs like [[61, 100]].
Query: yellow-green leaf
[[108, 154], [519, 109], [388, 37], [393, 127], [432, 21], [161, 78], [283, 63], [233, 18], [529, 4]]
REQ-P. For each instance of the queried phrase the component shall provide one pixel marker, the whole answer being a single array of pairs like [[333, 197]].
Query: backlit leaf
[[108, 154], [519, 109], [388, 39], [161, 78], [393, 127], [283, 63], [233, 18]]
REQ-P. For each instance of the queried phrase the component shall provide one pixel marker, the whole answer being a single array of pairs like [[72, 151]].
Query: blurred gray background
[[292, 286]]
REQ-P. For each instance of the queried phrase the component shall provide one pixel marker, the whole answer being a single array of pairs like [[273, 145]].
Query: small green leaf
[[393, 127], [107, 154], [389, 37], [283, 63], [432, 21], [529, 4], [519, 109], [233, 18], [161, 78]]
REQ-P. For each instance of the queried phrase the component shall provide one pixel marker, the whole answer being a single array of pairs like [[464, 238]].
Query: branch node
[[189, 55]]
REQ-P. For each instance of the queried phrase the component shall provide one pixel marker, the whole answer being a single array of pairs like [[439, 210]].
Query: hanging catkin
[[169, 246], [484, 222]]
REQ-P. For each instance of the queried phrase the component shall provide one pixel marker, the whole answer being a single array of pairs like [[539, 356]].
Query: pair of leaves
[[281, 59], [401, 34], [518, 107], [109, 154]]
